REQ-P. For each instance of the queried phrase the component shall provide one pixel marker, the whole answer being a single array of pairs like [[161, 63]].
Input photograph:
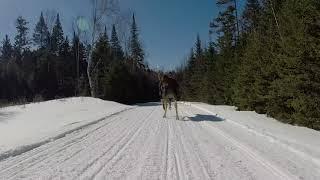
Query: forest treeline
[[43, 64], [266, 59]]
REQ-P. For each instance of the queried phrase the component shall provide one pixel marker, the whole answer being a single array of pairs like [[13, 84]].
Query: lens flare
[[82, 24]]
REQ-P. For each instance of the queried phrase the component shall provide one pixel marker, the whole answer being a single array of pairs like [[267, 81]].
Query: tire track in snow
[[48, 151], [122, 147], [193, 148], [174, 170], [137, 151], [150, 162], [107, 146], [251, 154], [167, 152], [96, 141], [272, 139], [39, 154], [20, 150], [178, 150], [175, 151]]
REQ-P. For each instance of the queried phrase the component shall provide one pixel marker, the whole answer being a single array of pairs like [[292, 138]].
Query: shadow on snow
[[149, 104], [202, 117]]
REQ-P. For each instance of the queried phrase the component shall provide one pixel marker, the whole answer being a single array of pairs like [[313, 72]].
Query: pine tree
[[211, 48], [21, 40], [251, 15], [225, 25], [78, 52], [232, 9], [41, 33], [65, 47], [66, 70], [6, 51], [57, 38], [294, 94], [251, 83], [137, 53], [187, 88], [198, 47], [115, 45], [101, 59]]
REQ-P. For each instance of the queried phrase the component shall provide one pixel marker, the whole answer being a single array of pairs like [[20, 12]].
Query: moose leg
[[162, 102], [165, 103], [176, 107]]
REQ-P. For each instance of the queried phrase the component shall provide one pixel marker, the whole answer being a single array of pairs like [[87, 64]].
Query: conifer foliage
[[56, 66], [271, 66]]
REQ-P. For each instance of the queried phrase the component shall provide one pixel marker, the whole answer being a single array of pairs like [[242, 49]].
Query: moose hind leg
[[176, 107], [162, 102], [165, 107]]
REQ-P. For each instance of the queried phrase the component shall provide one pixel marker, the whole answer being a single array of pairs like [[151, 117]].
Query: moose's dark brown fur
[[168, 88]]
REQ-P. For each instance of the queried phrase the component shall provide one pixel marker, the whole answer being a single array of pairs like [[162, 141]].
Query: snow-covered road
[[139, 144]]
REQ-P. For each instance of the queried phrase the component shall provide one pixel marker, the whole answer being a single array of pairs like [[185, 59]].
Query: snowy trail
[[139, 144]]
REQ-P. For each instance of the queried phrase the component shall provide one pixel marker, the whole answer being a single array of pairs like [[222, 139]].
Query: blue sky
[[168, 28]]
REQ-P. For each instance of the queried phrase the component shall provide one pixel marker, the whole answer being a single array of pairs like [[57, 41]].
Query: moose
[[168, 91]]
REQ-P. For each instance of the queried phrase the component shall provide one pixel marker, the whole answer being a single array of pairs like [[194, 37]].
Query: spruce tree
[[294, 94], [65, 47], [57, 38], [101, 59], [41, 33], [137, 53], [225, 25], [79, 55], [6, 51], [115, 44], [251, 15], [198, 47], [21, 40], [187, 88]]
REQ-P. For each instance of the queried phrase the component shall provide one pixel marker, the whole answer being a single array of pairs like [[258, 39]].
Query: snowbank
[[299, 140], [27, 126]]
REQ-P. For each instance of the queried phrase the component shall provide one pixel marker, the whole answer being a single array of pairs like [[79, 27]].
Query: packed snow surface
[[95, 139], [23, 127]]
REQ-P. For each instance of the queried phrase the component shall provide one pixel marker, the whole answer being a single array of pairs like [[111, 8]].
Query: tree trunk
[[91, 85]]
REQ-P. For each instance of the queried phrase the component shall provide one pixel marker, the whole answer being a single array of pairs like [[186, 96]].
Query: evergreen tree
[[6, 51], [101, 59], [198, 47], [137, 53], [115, 44], [251, 15], [187, 89], [41, 33], [21, 39], [65, 70], [78, 52], [294, 94], [211, 49], [43, 74], [65, 47], [57, 38], [225, 26]]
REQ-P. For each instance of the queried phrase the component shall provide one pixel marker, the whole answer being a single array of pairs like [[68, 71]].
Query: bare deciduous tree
[[102, 11], [123, 22], [50, 18]]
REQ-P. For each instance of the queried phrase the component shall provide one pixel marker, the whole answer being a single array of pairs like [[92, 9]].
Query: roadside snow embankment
[[25, 127], [302, 141]]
